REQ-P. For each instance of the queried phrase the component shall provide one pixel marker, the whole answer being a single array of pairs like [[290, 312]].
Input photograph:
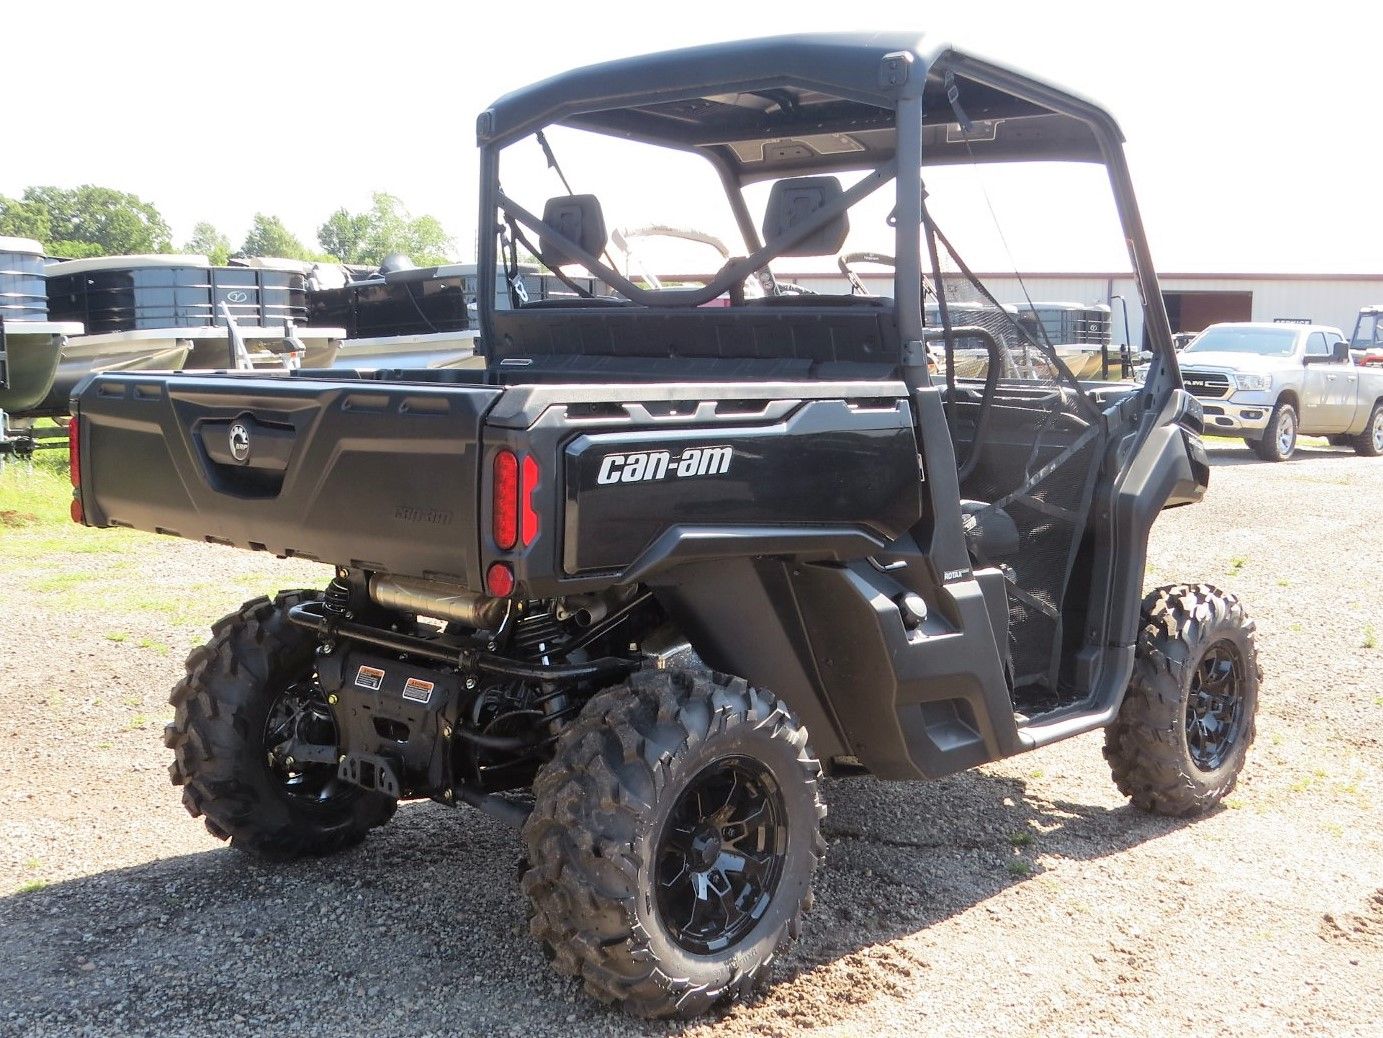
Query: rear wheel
[[1279, 439], [1369, 443], [1187, 719], [255, 742], [673, 842]]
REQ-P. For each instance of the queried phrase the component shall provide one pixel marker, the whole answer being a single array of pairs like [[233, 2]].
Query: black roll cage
[[921, 138]]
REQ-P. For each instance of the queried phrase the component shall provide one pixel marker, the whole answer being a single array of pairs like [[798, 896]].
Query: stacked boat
[[402, 317], [30, 342], [169, 312], [397, 316]]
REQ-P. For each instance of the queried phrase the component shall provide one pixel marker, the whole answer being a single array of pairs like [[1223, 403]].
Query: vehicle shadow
[[1227, 454], [422, 929]]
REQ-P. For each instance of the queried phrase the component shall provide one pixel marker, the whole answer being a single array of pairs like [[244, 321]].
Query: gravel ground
[[1023, 898]]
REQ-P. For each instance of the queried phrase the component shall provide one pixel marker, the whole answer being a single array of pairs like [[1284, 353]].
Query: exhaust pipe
[[438, 600]]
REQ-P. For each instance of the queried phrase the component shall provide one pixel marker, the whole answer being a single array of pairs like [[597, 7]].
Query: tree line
[[74, 223]]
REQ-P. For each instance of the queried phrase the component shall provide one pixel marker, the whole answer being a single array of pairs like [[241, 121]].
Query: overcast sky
[[1255, 139]]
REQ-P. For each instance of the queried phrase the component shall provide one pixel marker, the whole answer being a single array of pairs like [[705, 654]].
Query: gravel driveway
[[1021, 899]]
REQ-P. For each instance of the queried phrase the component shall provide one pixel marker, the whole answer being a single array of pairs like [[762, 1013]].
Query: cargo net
[[1028, 441]]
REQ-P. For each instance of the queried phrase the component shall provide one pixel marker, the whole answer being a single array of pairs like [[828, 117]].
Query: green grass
[[1237, 564], [35, 519], [31, 886], [72, 569], [1307, 782], [35, 495], [1019, 867], [1370, 637], [1020, 839]]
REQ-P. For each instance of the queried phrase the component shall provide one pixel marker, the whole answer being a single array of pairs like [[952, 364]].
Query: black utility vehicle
[[663, 564]]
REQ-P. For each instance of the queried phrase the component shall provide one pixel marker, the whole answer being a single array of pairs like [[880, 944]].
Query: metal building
[[1193, 300]]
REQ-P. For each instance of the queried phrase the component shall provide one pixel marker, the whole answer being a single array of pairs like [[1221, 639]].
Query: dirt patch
[[12, 517], [1364, 926]]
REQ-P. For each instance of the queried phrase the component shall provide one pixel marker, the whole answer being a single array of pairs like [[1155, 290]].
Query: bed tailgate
[[377, 475]]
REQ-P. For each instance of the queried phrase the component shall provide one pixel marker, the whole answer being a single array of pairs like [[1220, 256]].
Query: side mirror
[[1342, 352]]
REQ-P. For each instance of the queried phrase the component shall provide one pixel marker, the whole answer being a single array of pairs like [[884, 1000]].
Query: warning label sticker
[[417, 690], [369, 677]]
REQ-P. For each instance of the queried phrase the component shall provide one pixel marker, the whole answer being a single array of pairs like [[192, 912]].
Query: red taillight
[[528, 517], [504, 519], [74, 464], [499, 580]]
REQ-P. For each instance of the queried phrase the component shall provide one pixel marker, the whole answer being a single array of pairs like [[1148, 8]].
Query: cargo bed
[[381, 476], [391, 471]]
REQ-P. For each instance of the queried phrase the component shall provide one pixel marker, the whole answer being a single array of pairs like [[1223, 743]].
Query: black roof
[[805, 102]]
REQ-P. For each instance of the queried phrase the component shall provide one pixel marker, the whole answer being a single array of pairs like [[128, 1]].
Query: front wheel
[[255, 742], [1369, 443], [1279, 436], [1187, 720], [673, 842]]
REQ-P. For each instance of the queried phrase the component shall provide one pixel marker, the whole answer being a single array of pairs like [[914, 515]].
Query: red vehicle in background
[[1366, 344]]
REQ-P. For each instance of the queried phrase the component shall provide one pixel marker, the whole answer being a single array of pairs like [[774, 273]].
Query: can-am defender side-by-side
[[661, 564]]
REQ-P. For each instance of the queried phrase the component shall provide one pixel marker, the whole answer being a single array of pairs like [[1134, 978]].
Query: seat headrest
[[791, 202], [577, 218]]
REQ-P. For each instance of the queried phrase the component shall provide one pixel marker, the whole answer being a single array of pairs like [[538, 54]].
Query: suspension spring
[[336, 599]]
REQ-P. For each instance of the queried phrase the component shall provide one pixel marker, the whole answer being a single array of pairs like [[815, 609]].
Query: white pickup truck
[[1270, 383]]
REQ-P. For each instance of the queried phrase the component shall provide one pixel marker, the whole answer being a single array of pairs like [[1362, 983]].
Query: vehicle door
[[1319, 381], [1341, 383], [1342, 392]]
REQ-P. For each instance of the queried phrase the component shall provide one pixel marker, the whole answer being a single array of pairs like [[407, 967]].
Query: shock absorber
[[336, 599], [336, 608]]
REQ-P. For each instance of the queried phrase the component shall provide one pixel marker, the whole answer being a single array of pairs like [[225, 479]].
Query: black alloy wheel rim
[[720, 856], [1215, 706], [299, 719]]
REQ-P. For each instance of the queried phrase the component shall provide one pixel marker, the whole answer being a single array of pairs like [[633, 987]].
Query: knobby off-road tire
[[606, 837], [1187, 720], [218, 736], [1369, 443], [1279, 440]]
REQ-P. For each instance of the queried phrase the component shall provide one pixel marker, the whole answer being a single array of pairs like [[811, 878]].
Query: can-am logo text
[[642, 466]]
